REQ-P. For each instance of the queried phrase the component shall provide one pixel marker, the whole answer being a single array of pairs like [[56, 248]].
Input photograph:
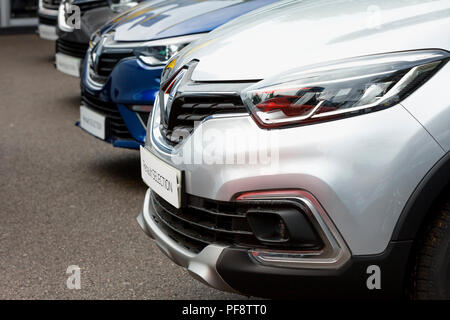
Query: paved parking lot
[[69, 199]]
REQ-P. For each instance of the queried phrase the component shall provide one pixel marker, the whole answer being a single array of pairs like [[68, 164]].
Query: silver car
[[302, 150], [48, 18]]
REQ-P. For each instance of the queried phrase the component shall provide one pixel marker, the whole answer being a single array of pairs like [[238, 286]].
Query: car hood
[[158, 19], [100, 2], [294, 34], [92, 20], [95, 18]]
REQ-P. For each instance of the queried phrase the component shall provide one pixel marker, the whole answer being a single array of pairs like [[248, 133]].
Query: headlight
[[121, 5], [159, 52], [340, 89], [158, 55]]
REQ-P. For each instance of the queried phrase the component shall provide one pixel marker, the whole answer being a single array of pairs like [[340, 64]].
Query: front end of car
[[48, 19], [293, 184], [74, 36], [119, 85], [123, 65]]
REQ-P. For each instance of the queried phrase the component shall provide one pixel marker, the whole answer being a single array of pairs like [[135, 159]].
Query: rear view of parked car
[[304, 151], [48, 18]]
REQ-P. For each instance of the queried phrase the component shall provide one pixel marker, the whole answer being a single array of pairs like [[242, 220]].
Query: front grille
[[201, 222], [73, 49], [107, 62], [51, 4], [47, 21], [144, 117], [115, 126], [187, 111]]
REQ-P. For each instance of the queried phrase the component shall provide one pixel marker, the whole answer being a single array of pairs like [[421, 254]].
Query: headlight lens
[[158, 55], [159, 52], [340, 89], [122, 5]]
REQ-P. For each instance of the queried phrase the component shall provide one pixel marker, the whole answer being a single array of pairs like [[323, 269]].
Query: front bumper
[[201, 266], [70, 51], [48, 19], [120, 91], [68, 64], [234, 270], [47, 27]]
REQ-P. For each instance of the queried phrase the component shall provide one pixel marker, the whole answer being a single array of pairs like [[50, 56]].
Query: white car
[[48, 18], [303, 150]]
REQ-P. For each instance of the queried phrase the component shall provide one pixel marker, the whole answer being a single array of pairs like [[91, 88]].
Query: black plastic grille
[[115, 126], [47, 21], [202, 222], [108, 61], [186, 111], [51, 4], [73, 49], [144, 117]]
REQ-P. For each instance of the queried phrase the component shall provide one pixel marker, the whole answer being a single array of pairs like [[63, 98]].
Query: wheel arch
[[426, 194]]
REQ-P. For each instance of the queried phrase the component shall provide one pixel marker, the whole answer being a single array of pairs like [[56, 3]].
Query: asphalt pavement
[[67, 198]]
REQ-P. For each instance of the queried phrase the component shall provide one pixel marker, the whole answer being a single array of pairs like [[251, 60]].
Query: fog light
[[268, 227], [318, 243]]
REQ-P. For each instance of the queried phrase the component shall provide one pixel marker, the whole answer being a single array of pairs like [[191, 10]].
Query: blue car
[[122, 68]]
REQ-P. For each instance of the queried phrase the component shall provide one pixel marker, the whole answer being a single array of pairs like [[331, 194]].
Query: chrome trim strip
[[92, 83], [113, 44], [62, 24], [333, 256], [156, 138], [225, 115], [47, 12]]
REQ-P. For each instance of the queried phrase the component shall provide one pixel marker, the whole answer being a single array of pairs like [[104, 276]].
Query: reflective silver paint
[[293, 34], [362, 169], [431, 106]]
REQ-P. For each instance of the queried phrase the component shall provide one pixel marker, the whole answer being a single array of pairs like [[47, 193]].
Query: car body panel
[[142, 87], [363, 169], [327, 30], [363, 192], [91, 21], [435, 115], [165, 19]]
